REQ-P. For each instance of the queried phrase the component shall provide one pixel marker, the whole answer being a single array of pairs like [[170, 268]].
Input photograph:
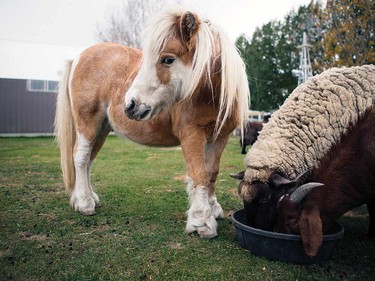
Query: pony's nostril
[[129, 110], [131, 106], [144, 114]]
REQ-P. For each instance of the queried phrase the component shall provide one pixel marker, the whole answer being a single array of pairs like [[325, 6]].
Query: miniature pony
[[188, 88]]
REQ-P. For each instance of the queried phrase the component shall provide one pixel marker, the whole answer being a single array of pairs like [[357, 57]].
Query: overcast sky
[[73, 22], [38, 36]]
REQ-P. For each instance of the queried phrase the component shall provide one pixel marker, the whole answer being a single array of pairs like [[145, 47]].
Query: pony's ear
[[189, 26], [311, 229]]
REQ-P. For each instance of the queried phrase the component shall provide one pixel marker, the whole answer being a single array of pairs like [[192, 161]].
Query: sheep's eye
[[167, 60]]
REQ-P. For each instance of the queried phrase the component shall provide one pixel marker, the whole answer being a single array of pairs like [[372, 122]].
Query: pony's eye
[[167, 60]]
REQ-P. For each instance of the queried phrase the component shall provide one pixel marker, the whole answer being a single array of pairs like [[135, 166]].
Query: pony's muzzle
[[133, 111]]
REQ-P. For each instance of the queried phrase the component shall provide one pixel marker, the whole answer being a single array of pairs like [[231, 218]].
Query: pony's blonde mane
[[234, 85]]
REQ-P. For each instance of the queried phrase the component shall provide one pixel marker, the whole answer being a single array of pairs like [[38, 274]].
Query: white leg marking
[[200, 215], [216, 209], [81, 199], [210, 161], [93, 194]]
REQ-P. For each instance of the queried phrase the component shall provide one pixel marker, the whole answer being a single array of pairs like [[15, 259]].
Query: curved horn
[[297, 196]]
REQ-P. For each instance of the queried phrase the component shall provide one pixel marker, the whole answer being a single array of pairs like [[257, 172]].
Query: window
[[52, 86], [42, 86]]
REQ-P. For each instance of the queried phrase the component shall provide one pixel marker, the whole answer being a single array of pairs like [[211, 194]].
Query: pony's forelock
[[211, 43], [159, 31]]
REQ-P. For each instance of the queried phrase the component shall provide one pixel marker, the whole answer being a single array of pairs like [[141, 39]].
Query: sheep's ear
[[238, 176], [278, 181], [303, 178], [189, 25], [311, 229]]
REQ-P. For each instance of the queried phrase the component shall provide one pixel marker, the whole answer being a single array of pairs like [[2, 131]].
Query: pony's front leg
[[213, 153], [200, 216], [82, 198]]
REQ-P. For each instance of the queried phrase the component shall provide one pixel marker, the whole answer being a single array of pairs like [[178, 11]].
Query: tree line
[[341, 33]]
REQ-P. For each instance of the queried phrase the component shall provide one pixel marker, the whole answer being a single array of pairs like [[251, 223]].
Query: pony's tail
[[64, 130]]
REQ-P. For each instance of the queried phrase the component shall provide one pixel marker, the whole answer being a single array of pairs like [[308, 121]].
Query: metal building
[[29, 75]]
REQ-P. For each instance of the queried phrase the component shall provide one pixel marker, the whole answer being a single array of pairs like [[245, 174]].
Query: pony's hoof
[[203, 231], [205, 226], [85, 206], [206, 232], [217, 211], [87, 213], [96, 199]]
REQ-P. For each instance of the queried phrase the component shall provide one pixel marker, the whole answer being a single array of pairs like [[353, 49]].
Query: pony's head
[[180, 52]]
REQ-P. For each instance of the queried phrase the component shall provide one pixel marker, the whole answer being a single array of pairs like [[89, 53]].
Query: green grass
[[138, 233]]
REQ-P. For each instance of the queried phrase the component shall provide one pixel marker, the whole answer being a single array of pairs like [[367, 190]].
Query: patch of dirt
[[233, 192], [50, 217], [175, 246], [171, 148], [153, 156], [170, 189], [228, 214], [36, 237], [180, 178], [6, 253]]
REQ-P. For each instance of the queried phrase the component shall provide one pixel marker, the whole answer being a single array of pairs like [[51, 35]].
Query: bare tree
[[125, 21]]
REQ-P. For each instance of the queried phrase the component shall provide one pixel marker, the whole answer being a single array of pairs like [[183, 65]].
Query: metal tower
[[305, 69]]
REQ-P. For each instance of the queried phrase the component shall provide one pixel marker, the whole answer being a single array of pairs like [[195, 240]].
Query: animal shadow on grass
[[354, 255]]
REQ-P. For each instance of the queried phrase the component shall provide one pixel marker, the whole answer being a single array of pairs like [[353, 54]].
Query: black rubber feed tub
[[279, 246]]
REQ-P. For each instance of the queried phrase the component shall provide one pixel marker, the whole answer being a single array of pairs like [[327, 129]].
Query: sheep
[[346, 177], [311, 120]]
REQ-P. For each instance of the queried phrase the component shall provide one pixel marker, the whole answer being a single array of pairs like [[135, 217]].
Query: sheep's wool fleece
[[310, 121]]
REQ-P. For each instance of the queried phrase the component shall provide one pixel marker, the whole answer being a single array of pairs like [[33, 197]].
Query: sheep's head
[[275, 205], [288, 208], [296, 219], [261, 211], [261, 198]]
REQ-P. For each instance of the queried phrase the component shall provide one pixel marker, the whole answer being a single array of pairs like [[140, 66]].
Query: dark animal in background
[[251, 133]]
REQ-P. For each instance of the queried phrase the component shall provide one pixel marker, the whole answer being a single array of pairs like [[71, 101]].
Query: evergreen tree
[[270, 56], [342, 34]]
